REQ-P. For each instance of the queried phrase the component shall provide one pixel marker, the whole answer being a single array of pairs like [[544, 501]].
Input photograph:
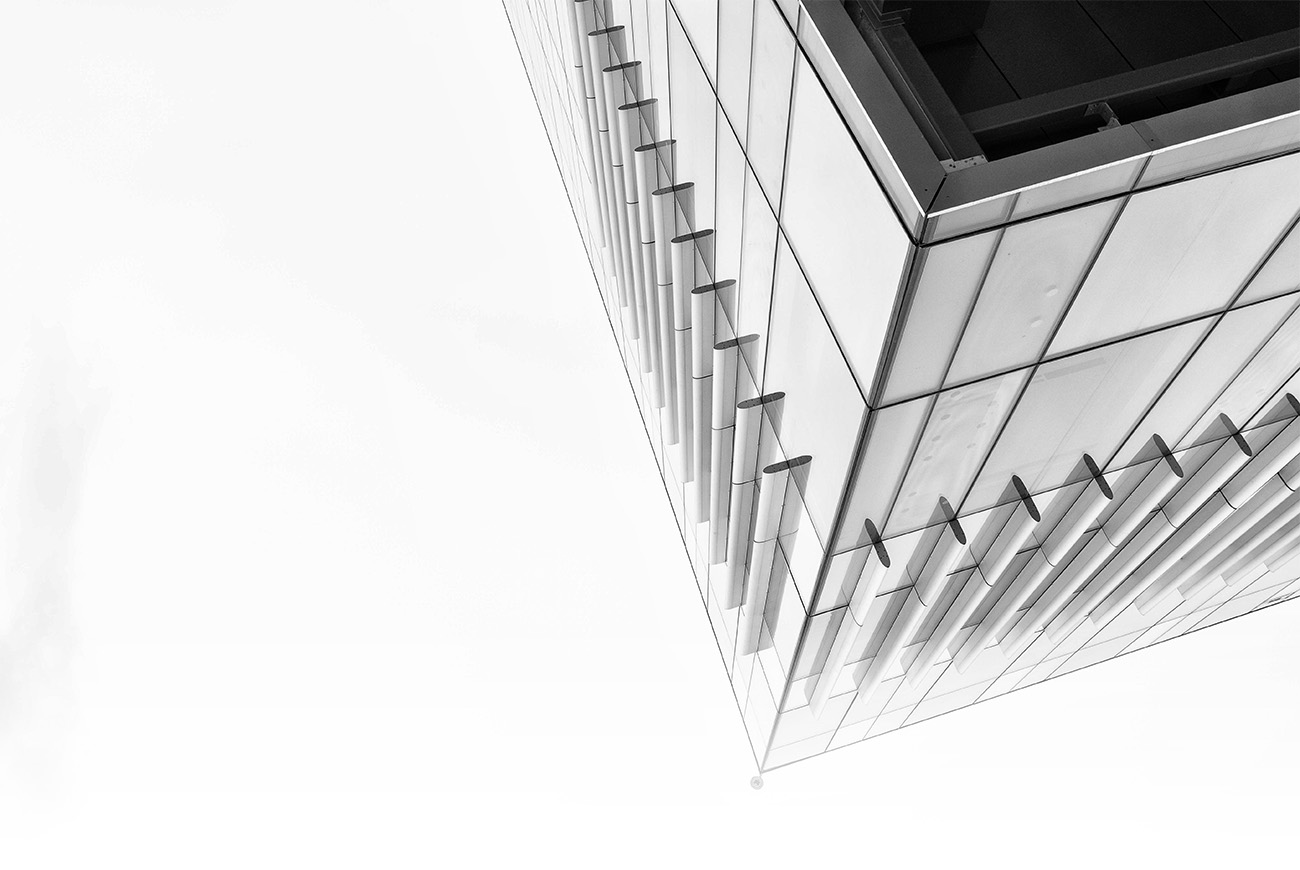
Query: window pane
[[963, 424], [1182, 250], [1084, 187], [1035, 270], [891, 434], [810, 38], [1281, 274], [950, 277], [1276, 361], [823, 408], [735, 36], [701, 20], [772, 73], [968, 218], [757, 261], [842, 227], [790, 8], [1081, 404], [657, 20], [694, 110], [1215, 364], [1225, 149], [730, 209]]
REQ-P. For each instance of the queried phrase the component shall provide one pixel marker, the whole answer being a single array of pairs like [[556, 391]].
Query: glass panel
[[1223, 149], [1276, 361], [735, 37], [1292, 386], [891, 435], [637, 23], [963, 424], [967, 218], [891, 177], [656, 14], [730, 209], [1074, 189], [771, 76], [1035, 270], [1080, 404], [1182, 250], [785, 613], [1215, 364], [840, 223], [1281, 274], [823, 408], [790, 8], [950, 276], [700, 18], [694, 111], [757, 261]]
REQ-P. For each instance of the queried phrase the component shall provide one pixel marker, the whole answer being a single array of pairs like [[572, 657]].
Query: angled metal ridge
[[1278, 103], [935, 185]]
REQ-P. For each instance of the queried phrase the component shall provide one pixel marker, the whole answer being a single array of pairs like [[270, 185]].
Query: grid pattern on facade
[[878, 366]]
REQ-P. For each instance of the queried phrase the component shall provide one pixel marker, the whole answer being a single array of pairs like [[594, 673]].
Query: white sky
[[330, 537]]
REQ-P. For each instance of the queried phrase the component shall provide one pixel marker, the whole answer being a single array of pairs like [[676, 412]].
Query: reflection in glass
[[1212, 367], [772, 74], [757, 260], [1081, 404], [1075, 189], [864, 131], [735, 36], [823, 408], [700, 17], [963, 424], [950, 276], [1281, 274], [1035, 270], [840, 223], [730, 213], [693, 110], [1247, 143], [1182, 250], [1255, 387], [891, 434]]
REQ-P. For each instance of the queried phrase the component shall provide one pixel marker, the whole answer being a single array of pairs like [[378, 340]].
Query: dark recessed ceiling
[[1003, 76]]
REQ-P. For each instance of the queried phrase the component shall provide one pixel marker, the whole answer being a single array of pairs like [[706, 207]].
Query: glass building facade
[[941, 412]]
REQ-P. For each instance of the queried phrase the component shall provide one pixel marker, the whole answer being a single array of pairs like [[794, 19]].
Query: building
[[965, 334]]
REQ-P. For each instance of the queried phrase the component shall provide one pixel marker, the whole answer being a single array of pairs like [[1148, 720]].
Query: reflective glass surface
[[1137, 288], [758, 260], [730, 208], [950, 276], [1182, 250], [1219, 359], [1224, 149], [700, 18], [1035, 270], [694, 113], [856, 116], [1258, 381], [1081, 404], [1080, 188], [1281, 274], [735, 37], [891, 436], [963, 424], [771, 77], [823, 407], [839, 221]]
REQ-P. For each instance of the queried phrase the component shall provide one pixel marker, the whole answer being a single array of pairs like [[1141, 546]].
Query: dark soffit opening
[[986, 79]]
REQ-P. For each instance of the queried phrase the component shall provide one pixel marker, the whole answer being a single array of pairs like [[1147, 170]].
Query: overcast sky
[[329, 534]]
